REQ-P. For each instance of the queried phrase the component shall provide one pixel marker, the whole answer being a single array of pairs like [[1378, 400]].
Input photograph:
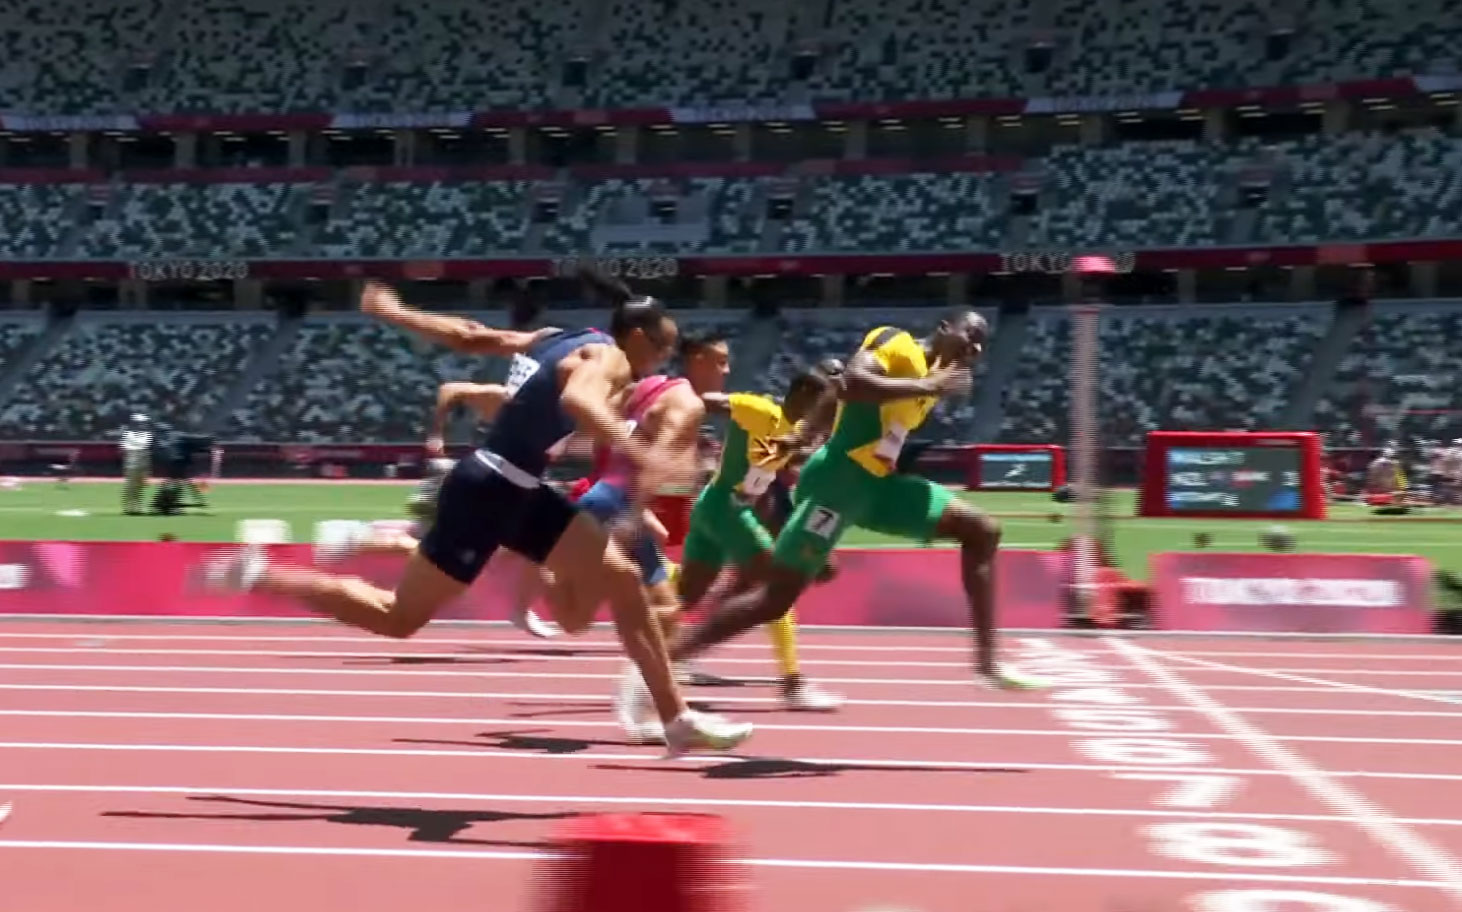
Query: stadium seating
[[1191, 369], [1362, 186], [1156, 194], [70, 57], [436, 219], [1398, 380], [202, 222], [176, 370], [347, 379], [35, 218]]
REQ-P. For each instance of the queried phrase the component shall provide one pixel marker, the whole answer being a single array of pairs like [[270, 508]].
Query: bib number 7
[[822, 522]]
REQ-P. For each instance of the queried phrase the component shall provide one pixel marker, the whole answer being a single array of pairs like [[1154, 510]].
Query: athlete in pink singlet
[[609, 499]]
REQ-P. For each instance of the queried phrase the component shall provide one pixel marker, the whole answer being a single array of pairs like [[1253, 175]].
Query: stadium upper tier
[[79, 57], [1348, 187], [340, 379]]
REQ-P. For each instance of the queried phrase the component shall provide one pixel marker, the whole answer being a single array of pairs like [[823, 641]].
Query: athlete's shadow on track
[[376, 660], [773, 768], [527, 740], [424, 824], [579, 709]]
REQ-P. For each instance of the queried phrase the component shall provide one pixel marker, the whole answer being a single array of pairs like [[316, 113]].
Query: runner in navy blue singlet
[[560, 382]]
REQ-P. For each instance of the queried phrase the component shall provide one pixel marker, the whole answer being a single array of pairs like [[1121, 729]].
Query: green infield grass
[[91, 511]]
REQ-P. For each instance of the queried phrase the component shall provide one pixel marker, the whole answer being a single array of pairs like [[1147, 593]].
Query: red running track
[[165, 766]]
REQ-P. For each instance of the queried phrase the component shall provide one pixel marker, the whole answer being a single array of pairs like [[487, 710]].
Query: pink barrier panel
[[914, 587], [1293, 593]]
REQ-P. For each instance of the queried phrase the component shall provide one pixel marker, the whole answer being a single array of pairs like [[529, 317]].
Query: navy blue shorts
[[479, 511], [607, 502]]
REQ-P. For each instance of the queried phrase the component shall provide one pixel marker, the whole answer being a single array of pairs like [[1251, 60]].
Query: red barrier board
[[1292, 593], [906, 587]]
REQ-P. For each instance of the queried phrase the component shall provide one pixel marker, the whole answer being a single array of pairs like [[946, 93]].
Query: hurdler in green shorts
[[889, 388], [724, 527]]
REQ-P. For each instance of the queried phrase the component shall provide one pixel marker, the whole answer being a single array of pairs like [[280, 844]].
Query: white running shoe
[[234, 570], [5, 810], [337, 540], [801, 695], [694, 730], [528, 621]]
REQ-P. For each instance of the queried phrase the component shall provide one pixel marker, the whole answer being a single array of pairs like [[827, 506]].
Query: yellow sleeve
[[757, 415], [900, 356]]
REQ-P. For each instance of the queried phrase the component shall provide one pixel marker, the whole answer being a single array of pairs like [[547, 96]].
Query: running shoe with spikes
[[693, 730]]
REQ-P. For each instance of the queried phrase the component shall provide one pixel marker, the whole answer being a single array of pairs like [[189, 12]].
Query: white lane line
[[1338, 686], [726, 760], [807, 864], [228, 792], [704, 695], [275, 718], [1376, 822], [241, 624]]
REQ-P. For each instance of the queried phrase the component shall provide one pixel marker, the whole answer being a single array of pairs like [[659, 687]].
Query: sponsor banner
[[457, 119], [1104, 104], [737, 113], [1292, 593], [914, 587]]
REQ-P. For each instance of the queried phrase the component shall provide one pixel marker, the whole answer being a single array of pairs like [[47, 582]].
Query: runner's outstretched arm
[[457, 333]]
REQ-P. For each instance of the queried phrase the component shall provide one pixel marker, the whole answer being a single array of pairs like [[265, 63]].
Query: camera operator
[[136, 446]]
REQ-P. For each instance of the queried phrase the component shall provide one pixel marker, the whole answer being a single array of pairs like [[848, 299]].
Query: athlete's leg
[[439, 570], [800, 551], [915, 508], [422, 591], [583, 553]]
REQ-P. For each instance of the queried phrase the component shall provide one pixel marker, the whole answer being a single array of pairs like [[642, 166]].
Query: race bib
[[520, 370], [757, 481], [891, 443]]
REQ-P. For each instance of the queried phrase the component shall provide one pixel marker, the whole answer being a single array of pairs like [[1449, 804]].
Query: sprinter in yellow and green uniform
[[724, 527], [888, 389]]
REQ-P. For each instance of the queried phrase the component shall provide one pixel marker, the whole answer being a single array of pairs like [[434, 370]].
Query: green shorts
[[723, 530], [835, 493]]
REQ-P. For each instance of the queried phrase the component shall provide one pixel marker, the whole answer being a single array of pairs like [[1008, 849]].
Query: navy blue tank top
[[532, 422]]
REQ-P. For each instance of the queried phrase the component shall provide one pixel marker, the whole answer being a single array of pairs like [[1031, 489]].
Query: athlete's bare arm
[[866, 381], [457, 333], [590, 380], [484, 399], [716, 403], [673, 425]]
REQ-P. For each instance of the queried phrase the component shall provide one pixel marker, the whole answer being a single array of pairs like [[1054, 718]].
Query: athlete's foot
[[801, 695], [1003, 677], [528, 621], [235, 570], [694, 730]]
